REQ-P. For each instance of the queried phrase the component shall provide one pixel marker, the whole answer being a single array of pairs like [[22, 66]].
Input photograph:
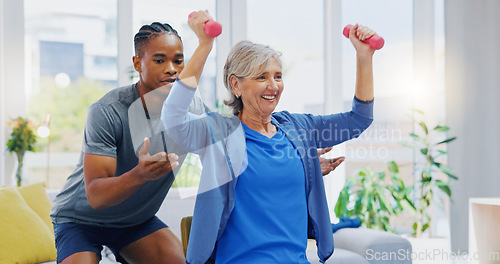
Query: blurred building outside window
[[71, 49]]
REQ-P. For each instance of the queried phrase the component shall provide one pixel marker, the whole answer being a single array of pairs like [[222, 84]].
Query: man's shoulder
[[124, 95], [113, 106]]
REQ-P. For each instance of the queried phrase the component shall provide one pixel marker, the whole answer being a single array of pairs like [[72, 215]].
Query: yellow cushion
[[24, 237], [38, 200]]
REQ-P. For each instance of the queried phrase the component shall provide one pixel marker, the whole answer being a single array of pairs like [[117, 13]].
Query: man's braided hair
[[148, 32]]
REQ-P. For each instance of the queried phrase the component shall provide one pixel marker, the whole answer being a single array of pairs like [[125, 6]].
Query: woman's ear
[[137, 63], [234, 82]]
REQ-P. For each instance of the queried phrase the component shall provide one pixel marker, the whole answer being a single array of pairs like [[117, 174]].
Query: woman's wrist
[[204, 48], [206, 43], [194, 67], [364, 56]]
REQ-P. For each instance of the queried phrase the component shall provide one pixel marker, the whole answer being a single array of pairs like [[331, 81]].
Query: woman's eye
[[159, 61], [179, 61], [278, 77], [262, 77]]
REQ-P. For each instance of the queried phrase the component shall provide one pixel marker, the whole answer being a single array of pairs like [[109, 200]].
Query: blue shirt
[[269, 221]]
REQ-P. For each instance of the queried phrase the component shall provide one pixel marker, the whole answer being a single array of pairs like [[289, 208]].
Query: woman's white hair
[[246, 60]]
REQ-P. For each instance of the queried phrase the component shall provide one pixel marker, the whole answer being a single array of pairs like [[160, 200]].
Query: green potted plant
[[374, 197], [22, 139], [432, 174]]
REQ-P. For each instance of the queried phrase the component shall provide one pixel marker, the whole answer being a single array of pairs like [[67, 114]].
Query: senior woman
[[261, 191]]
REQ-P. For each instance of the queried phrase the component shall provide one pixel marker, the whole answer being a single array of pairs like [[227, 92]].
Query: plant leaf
[[446, 170], [446, 141], [424, 127], [417, 137], [418, 111], [415, 226], [410, 203], [341, 206], [393, 167], [383, 202], [425, 178], [365, 201], [424, 151], [444, 186], [441, 128], [381, 176], [398, 183]]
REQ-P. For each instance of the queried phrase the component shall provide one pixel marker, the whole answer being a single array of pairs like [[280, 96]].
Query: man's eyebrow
[[163, 55]]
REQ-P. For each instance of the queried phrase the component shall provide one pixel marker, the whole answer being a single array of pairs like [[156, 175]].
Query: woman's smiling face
[[260, 95]]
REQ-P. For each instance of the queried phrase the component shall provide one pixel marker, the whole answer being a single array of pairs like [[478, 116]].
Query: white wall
[[233, 15], [12, 84], [333, 102], [472, 105], [125, 45]]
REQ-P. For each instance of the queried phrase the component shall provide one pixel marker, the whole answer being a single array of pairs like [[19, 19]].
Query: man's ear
[[137, 63], [234, 82]]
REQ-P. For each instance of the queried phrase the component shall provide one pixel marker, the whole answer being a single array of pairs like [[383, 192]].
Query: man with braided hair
[[112, 196]]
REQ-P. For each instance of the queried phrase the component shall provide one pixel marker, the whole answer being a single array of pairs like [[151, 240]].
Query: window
[[392, 84], [301, 42], [71, 62], [401, 83]]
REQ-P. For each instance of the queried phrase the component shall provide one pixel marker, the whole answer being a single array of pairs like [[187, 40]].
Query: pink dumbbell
[[212, 28], [375, 41]]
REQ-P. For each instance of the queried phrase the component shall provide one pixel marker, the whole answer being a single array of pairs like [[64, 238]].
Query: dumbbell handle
[[375, 41], [212, 28]]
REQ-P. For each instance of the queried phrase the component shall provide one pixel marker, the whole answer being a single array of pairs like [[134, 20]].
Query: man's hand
[[156, 166], [103, 189], [328, 165]]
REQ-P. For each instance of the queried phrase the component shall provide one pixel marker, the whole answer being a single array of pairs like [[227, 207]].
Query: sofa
[[27, 233], [365, 246]]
